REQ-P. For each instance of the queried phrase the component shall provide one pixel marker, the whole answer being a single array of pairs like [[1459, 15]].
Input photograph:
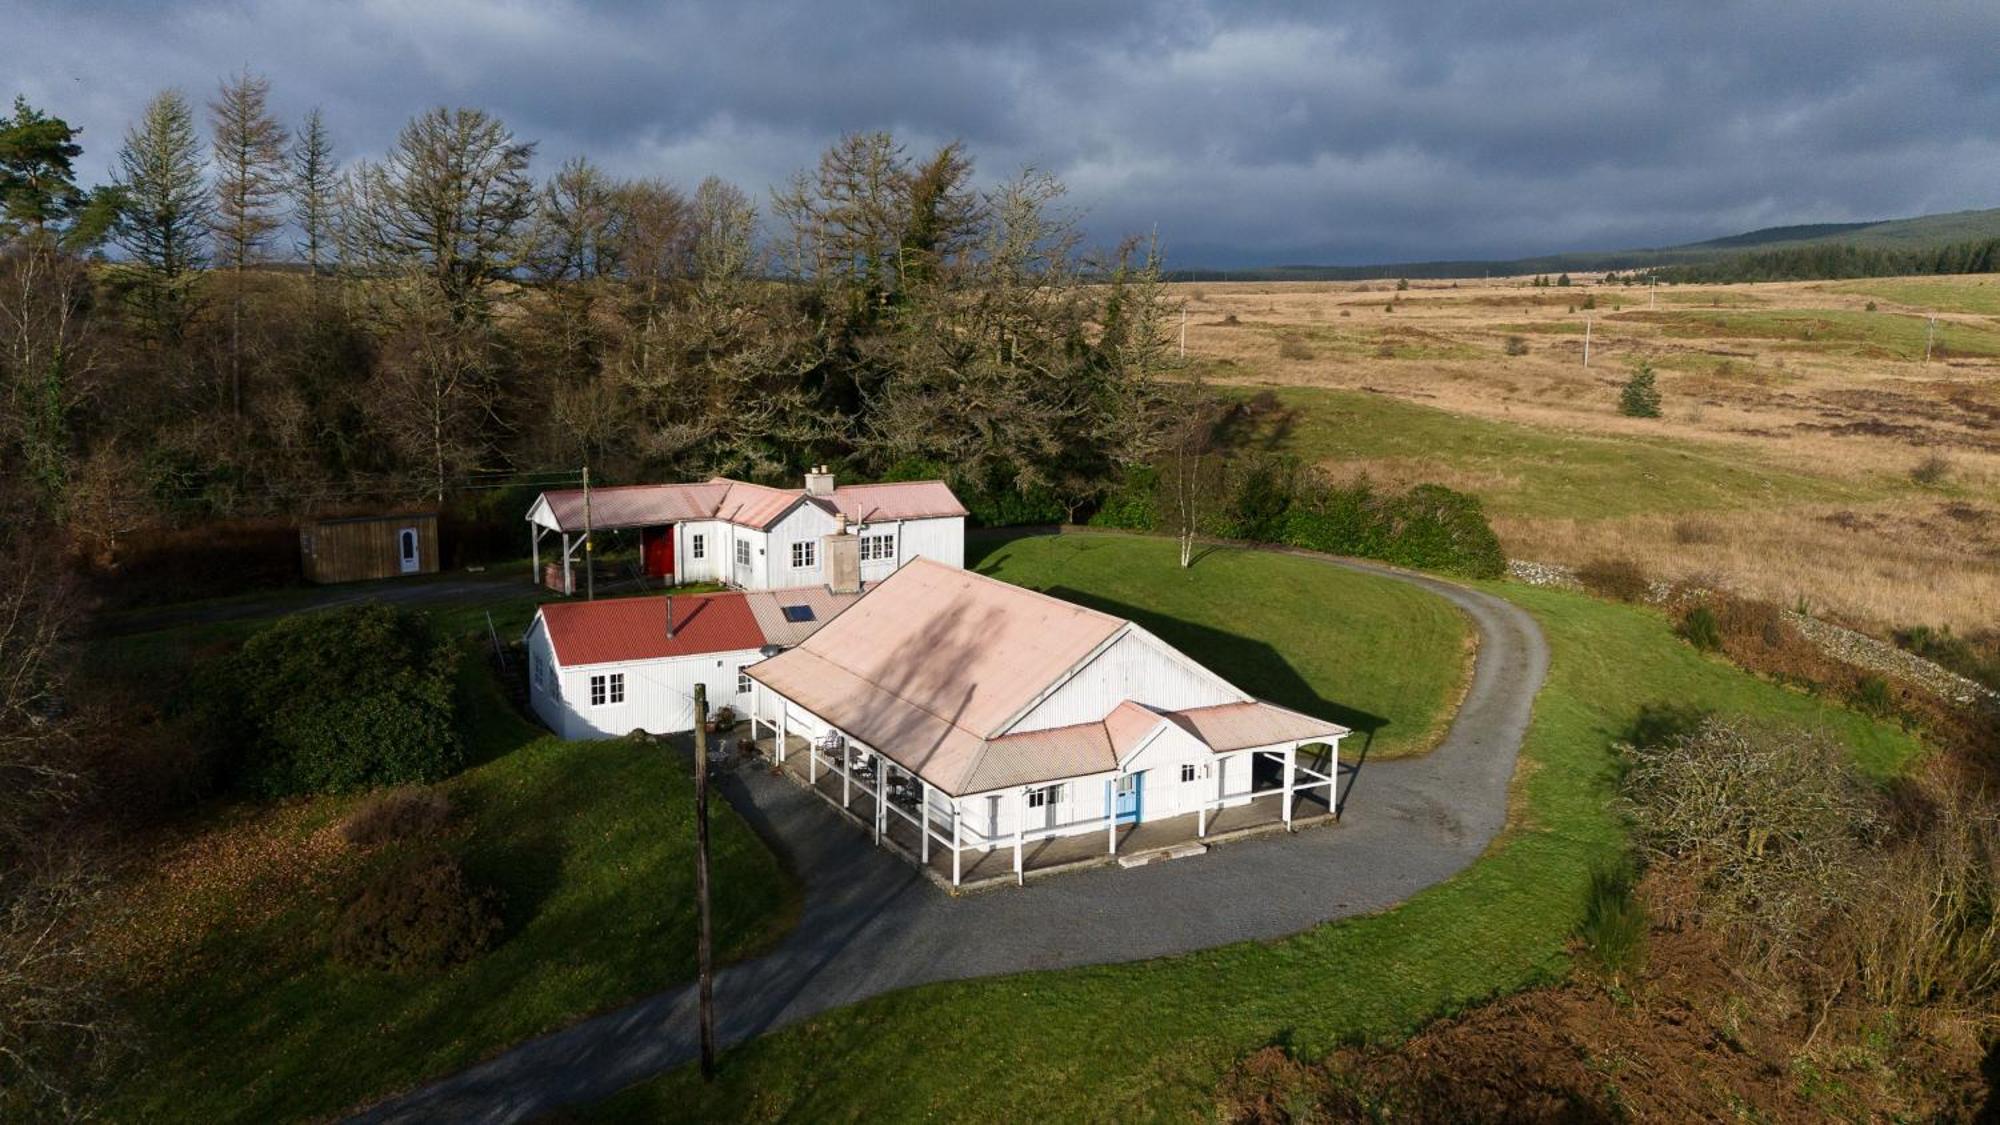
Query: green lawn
[[1975, 293], [1149, 1040], [1309, 639], [1878, 335], [1538, 473], [590, 843]]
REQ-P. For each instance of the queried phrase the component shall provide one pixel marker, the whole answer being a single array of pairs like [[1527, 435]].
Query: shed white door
[[406, 550]]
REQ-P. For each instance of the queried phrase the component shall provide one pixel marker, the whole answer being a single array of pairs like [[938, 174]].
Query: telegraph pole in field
[[1586, 353], [704, 966], [1930, 329], [1183, 332]]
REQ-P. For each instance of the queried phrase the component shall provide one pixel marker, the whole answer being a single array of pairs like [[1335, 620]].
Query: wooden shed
[[353, 548]]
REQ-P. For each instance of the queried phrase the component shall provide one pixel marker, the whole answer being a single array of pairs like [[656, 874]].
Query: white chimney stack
[[819, 482]]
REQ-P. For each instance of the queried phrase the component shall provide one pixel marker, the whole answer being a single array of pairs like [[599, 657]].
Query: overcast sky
[[1244, 133]]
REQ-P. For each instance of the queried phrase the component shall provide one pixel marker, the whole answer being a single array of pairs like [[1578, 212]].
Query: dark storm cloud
[[1241, 132]]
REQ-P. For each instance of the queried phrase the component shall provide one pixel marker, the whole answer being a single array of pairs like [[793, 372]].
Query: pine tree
[[1640, 397], [164, 222], [313, 180]]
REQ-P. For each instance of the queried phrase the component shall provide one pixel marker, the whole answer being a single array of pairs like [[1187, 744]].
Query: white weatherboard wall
[[939, 540], [1137, 666], [659, 694], [806, 523]]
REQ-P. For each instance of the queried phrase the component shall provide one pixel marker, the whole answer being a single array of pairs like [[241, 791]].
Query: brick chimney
[[819, 482]]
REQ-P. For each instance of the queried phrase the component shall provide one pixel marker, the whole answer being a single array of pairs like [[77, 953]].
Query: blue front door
[[1129, 794]]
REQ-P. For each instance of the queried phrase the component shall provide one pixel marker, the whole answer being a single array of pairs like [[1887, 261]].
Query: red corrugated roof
[[619, 629]]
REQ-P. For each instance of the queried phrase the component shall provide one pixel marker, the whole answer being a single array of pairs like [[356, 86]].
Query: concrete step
[[1154, 855]]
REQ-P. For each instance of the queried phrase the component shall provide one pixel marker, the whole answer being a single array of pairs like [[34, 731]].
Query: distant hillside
[[1925, 232]]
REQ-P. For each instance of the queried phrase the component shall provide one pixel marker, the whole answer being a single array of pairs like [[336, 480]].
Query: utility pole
[[704, 966], [1930, 328], [1586, 363], [1183, 331], [589, 567], [1653, 293]]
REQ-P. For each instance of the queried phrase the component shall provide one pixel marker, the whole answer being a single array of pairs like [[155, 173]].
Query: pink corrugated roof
[[745, 504], [1043, 755], [900, 500], [1240, 726], [933, 664], [949, 657]]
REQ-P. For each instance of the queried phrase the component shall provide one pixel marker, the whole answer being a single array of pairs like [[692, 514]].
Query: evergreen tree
[[37, 182], [313, 176], [1640, 397], [164, 220]]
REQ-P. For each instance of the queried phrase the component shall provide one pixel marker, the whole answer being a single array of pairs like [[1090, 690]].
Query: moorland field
[[1808, 452]]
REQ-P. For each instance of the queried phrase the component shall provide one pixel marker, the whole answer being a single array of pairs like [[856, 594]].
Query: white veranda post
[[1020, 829], [1291, 760], [955, 842]]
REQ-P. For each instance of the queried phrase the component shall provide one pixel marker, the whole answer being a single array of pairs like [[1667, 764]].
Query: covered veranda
[[931, 829]]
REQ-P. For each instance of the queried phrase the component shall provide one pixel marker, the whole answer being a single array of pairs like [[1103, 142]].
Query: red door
[[656, 548]]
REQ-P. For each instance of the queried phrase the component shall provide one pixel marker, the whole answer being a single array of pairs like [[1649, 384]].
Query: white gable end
[[1137, 666]]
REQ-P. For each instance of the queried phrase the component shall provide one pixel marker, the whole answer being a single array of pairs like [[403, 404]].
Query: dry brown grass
[[1874, 567], [1827, 407]]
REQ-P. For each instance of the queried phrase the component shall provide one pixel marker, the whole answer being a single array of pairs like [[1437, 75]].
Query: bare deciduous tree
[[249, 147], [446, 204]]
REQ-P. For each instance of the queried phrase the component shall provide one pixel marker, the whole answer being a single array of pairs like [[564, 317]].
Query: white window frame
[[1042, 796], [805, 554], [742, 552], [698, 545], [878, 548], [743, 679], [1189, 771], [607, 689]]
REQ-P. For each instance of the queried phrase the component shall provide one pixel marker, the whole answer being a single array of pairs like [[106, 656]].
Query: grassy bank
[[1150, 1040], [246, 1019]]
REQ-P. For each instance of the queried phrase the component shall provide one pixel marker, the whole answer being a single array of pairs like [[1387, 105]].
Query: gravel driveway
[[872, 924]]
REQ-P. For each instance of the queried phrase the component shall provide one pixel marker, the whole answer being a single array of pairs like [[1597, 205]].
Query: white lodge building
[[751, 536], [988, 715]]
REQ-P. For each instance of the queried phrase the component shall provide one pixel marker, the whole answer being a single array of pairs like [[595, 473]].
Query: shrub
[[1871, 696], [417, 915], [1871, 306], [1515, 345], [1614, 924], [1132, 504], [1230, 320], [1770, 826], [407, 813], [1618, 579], [1701, 630], [1640, 397], [1291, 347], [336, 701], [1931, 471], [1402, 284], [1589, 301], [1430, 527]]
